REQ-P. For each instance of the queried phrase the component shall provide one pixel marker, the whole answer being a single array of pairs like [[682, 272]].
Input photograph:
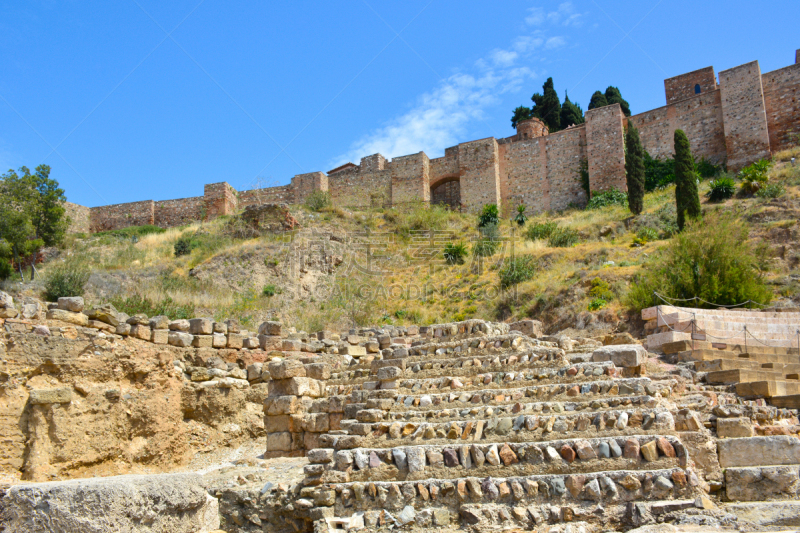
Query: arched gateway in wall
[[446, 191]]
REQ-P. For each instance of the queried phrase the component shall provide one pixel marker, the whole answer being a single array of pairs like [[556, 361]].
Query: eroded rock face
[[168, 503]]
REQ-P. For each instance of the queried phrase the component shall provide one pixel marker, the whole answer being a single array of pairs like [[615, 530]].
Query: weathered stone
[[575, 484], [159, 322], [73, 304], [754, 451], [666, 448], [489, 489], [201, 326], [49, 396], [507, 455], [567, 453], [79, 319], [585, 450], [450, 457], [734, 427], [631, 449], [270, 328], [288, 368], [179, 325], [492, 457], [650, 451], [623, 355], [630, 482]]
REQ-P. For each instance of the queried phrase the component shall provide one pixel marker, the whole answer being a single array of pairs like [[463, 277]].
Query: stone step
[[760, 483], [768, 389], [788, 401], [718, 365], [522, 427], [656, 340], [561, 456], [526, 499], [762, 358], [728, 377], [474, 360], [688, 345]]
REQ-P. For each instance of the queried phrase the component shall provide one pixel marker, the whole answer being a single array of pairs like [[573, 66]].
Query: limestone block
[[284, 405], [320, 456], [219, 340], [48, 396], [177, 503], [159, 322], [9, 312], [251, 343], [755, 451], [531, 328], [306, 387], [318, 371], [107, 313], [178, 338], [279, 441], [201, 326], [201, 374], [71, 303], [734, 427], [353, 350], [254, 371], [269, 342], [159, 336], [79, 319], [622, 355], [288, 368], [179, 325], [202, 341], [269, 328], [122, 329], [141, 332], [235, 341], [389, 373], [291, 345], [762, 483], [6, 301], [220, 327]]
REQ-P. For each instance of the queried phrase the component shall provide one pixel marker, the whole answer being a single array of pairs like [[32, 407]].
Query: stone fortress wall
[[746, 116]]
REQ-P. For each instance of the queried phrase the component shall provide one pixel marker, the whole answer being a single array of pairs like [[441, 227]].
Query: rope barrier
[[698, 299]]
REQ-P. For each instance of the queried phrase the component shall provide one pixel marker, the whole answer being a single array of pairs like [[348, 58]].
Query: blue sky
[[139, 99]]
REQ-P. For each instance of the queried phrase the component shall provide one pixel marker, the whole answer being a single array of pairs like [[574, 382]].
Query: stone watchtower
[[531, 128]]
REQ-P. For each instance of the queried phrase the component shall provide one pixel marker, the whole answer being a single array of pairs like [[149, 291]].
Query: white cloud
[[535, 16], [554, 42], [504, 58], [565, 15]]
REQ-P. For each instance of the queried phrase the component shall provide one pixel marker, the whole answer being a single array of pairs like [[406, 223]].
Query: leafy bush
[[612, 196], [66, 279], [489, 216], [270, 290], [184, 246], [722, 188], [520, 218], [318, 200], [754, 176], [646, 235], [601, 289], [658, 172], [771, 190], [5, 269], [540, 230], [454, 253], [597, 304], [138, 304], [713, 259], [516, 270], [706, 169], [563, 238], [663, 221], [488, 242]]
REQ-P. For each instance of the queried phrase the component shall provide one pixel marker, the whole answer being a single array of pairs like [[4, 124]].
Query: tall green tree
[[598, 100], [547, 106], [521, 113], [687, 199], [571, 113], [613, 96], [634, 169]]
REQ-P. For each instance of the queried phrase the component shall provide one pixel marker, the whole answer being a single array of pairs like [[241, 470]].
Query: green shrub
[[270, 290], [516, 270], [658, 173], [5, 269], [612, 196], [771, 190], [706, 169], [722, 188], [540, 230], [66, 279], [454, 253], [137, 304], [520, 217], [713, 259], [488, 242], [646, 235], [563, 238], [597, 304], [600, 289], [318, 200], [754, 177], [489, 216], [662, 221], [184, 246]]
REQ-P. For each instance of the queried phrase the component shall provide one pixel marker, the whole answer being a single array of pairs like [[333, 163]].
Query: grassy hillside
[[345, 268]]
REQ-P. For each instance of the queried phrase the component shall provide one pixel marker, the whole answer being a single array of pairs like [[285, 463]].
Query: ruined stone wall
[[220, 199], [78, 217], [700, 117], [269, 195], [479, 167], [303, 185], [118, 216], [744, 115], [356, 187], [605, 148], [410, 179], [684, 86], [173, 213], [782, 101]]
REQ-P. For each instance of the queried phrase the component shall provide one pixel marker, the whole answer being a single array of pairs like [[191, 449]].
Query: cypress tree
[[571, 113], [547, 106], [634, 169], [613, 96], [521, 113], [687, 199], [598, 100]]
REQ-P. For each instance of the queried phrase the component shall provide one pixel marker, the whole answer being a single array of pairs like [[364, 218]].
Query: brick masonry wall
[[605, 148], [683, 86], [305, 184], [478, 163], [268, 195], [565, 151], [524, 175], [410, 179], [220, 199], [447, 193], [782, 105], [118, 216], [355, 188], [78, 217], [699, 116], [744, 115], [173, 213]]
